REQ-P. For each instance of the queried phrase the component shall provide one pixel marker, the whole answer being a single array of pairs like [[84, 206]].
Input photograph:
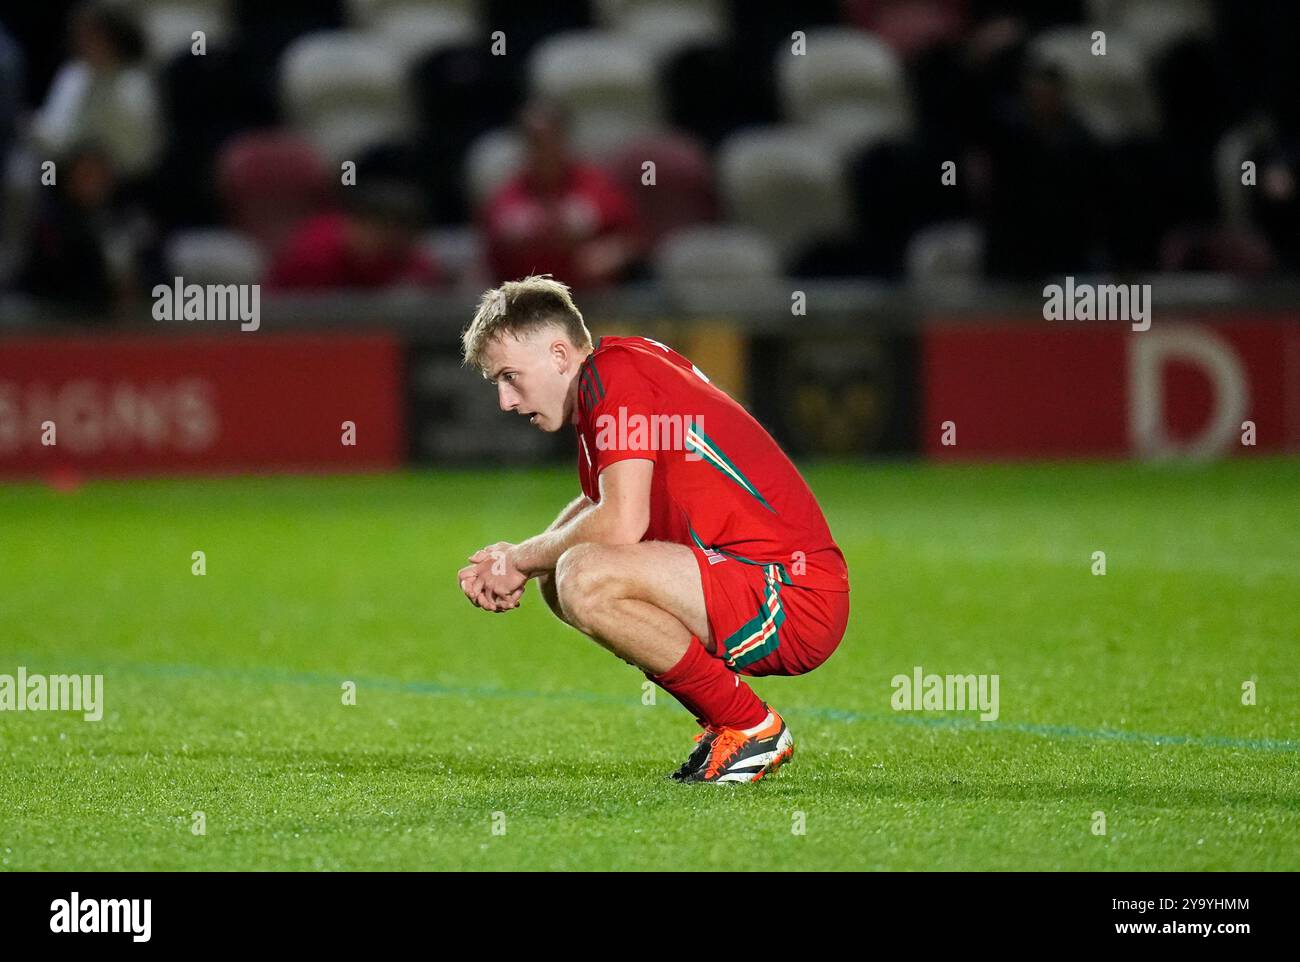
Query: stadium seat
[[908, 27], [606, 81], [946, 254], [759, 30], [268, 182], [491, 160], [458, 251], [169, 25], [525, 25], [415, 28], [696, 260], [786, 182], [214, 256], [1113, 92], [848, 85], [683, 193], [1153, 24], [1235, 147], [615, 13], [343, 90], [664, 27]]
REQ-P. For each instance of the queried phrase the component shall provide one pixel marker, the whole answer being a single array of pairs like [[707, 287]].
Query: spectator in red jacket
[[370, 245], [560, 215]]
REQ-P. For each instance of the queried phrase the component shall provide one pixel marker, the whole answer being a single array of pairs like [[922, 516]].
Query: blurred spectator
[[1277, 199], [1044, 184], [560, 215], [11, 86], [370, 245], [269, 183], [1216, 249], [86, 249], [102, 95]]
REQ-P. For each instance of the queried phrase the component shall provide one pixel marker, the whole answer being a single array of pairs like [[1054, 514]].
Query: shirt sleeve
[[619, 404]]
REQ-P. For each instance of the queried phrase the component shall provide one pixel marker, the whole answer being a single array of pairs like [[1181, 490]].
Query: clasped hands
[[491, 581]]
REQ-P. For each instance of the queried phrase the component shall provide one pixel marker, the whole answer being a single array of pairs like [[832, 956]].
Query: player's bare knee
[[580, 580], [546, 586]]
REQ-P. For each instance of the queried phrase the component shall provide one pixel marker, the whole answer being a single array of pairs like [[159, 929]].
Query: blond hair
[[518, 308]]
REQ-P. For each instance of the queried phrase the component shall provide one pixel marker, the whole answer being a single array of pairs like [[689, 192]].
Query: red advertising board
[[1060, 389], [239, 402]]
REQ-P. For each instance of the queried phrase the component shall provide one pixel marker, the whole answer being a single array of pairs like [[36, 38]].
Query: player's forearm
[[597, 523], [571, 511]]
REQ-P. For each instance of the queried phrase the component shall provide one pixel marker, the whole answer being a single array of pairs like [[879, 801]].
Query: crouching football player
[[695, 552]]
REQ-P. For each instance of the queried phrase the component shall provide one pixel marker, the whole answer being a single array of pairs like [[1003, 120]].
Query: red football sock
[[711, 691]]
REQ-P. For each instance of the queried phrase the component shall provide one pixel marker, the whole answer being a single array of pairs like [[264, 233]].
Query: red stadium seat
[[909, 26], [268, 182], [684, 193]]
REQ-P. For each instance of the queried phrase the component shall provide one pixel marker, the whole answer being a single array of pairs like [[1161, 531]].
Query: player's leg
[[546, 582], [813, 624], [646, 603], [546, 588], [643, 602]]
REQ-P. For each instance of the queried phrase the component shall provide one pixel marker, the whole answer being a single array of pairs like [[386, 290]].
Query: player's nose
[[506, 399]]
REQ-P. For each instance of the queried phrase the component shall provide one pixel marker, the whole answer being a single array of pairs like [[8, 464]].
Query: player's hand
[[496, 569], [475, 589], [480, 597], [470, 584], [491, 581]]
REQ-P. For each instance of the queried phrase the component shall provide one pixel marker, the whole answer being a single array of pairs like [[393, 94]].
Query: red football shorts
[[763, 627]]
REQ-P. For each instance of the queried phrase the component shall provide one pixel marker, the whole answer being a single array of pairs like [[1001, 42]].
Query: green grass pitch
[[1119, 694]]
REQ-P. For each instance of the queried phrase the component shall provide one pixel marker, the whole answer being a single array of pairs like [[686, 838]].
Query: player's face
[[534, 376]]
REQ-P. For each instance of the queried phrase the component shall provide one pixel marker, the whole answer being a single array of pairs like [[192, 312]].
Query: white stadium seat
[[491, 160], [1112, 92], [214, 256], [665, 27], [459, 253], [606, 81], [1153, 24], [946, 253], [717, 252], [169, 25], [716, 262], [343, 90], [616, 13], [786, 182], [846, 83], [414, 28]]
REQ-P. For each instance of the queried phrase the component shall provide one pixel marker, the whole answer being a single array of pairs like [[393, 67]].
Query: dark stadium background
[[775, 174]]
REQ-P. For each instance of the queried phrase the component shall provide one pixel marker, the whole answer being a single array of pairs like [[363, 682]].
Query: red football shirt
[[525, 228], [720, 480], [317, 256]]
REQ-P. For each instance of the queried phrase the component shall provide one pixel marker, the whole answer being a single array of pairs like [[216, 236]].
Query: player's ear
[[562, 355]]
